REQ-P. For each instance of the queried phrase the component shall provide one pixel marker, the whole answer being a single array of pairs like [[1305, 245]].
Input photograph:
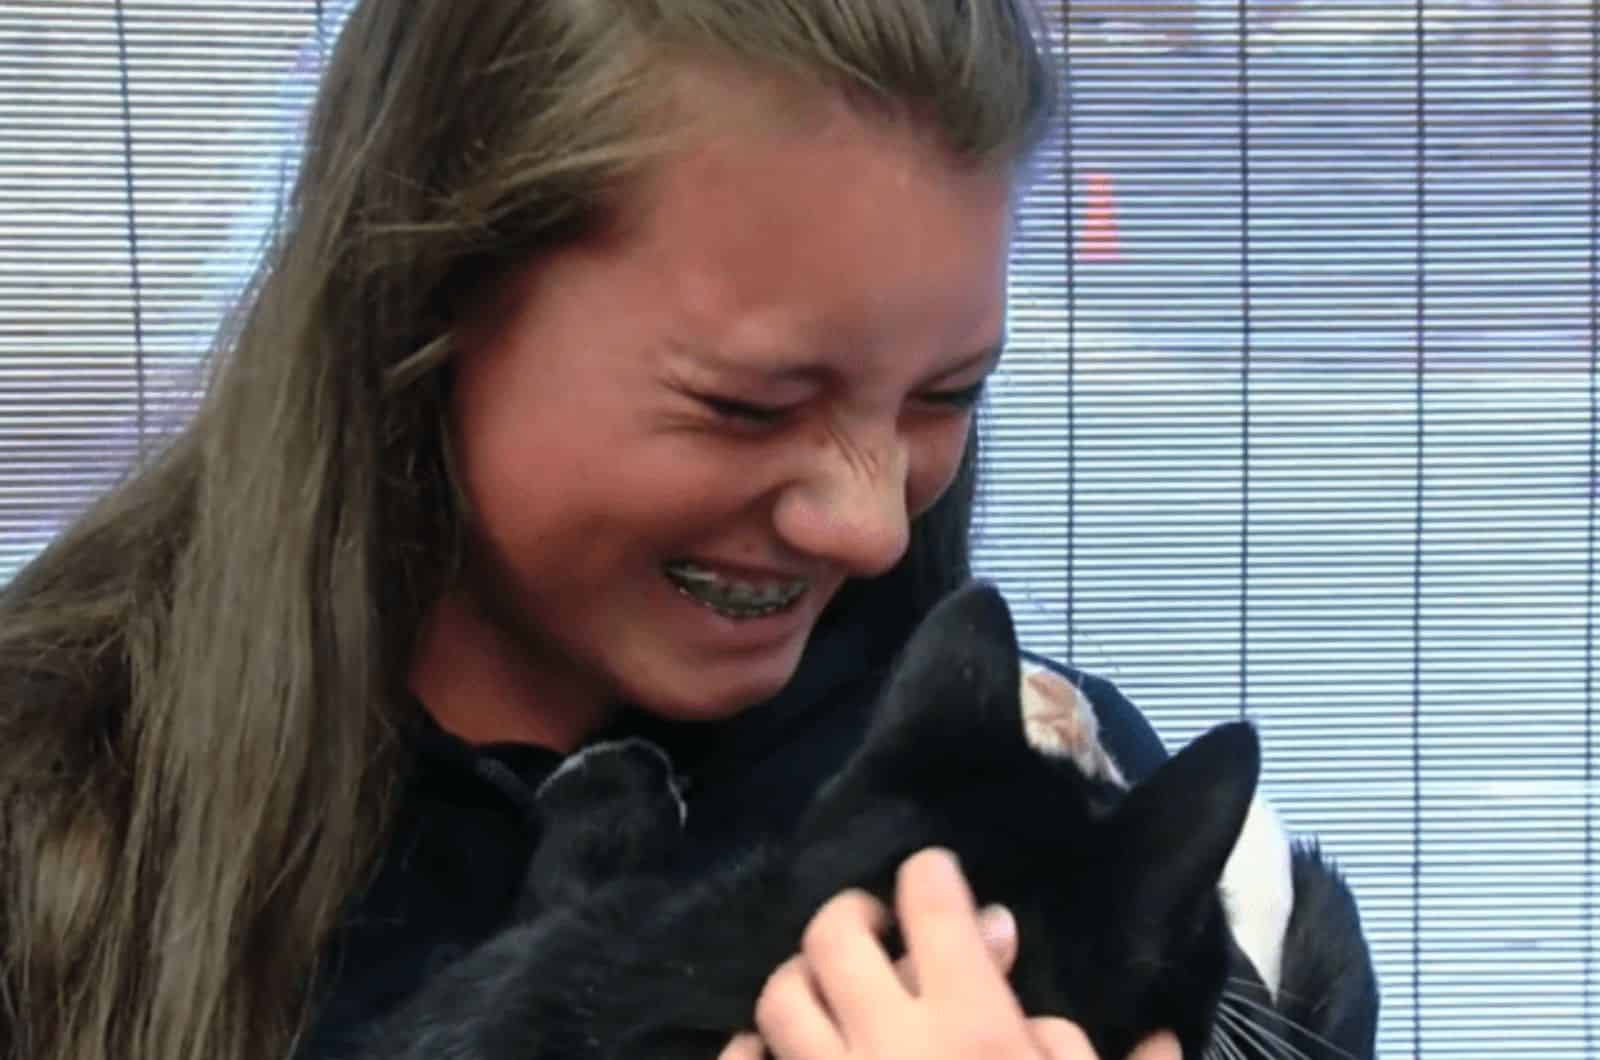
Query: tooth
[[730, 596]]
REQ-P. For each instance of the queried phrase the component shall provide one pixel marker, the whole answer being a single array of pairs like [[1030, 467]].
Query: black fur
[[1115, 893], [1329, 994]]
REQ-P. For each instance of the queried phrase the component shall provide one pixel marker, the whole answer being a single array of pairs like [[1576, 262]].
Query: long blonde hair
[[201, 718]]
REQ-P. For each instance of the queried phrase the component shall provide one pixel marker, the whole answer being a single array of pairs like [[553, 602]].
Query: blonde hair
[[202, 723]]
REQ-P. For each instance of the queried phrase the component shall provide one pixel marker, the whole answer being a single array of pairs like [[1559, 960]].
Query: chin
[[712, 701]]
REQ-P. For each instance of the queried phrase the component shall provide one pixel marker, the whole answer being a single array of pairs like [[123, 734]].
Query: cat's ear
[[953, 700], [958, 677], [1174, 832]]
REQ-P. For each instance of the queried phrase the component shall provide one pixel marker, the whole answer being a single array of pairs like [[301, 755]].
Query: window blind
[[1298, 419], [1298, 422], [140, 144]]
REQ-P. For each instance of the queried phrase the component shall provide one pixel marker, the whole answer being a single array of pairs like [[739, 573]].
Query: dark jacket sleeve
[[1123, 729]]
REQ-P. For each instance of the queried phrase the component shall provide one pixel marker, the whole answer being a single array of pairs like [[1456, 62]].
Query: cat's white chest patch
[[1258, 891]]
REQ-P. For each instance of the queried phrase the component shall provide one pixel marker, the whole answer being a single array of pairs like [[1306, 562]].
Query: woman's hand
[[841, 998]]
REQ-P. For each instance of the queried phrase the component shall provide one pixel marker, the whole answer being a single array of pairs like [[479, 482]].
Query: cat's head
[[1115, 892]]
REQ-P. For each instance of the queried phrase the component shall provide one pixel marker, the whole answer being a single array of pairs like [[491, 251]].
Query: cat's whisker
[[1214, 1050], [1263, 1038], [1267, 1039], [1228, 997], [1217, 1047], [1238, 1032], [1265, 1033], [1222, 1044], [1282, 994]]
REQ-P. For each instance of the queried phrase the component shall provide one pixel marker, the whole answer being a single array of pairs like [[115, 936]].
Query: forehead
[[729, 121], [824, 227]]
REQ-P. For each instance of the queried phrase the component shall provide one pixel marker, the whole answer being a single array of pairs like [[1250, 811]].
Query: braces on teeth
[[732, 598]]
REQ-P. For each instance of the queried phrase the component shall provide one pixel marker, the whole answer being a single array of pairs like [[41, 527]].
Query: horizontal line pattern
[[1202, 450], [1221, 534], [215, 93]]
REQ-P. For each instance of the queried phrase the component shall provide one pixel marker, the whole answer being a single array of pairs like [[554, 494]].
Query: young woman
[[613, 367]]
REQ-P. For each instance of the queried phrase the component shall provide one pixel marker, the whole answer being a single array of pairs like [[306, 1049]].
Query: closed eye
[[755, 414], [743, 411], [964, 398]]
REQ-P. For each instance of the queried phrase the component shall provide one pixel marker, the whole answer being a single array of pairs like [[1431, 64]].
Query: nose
[[848, 507]]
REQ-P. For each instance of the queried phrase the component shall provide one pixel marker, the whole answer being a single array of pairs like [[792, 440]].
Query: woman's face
[[679, 440]]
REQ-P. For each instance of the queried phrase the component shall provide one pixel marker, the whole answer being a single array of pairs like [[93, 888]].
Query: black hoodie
[[465, 827]]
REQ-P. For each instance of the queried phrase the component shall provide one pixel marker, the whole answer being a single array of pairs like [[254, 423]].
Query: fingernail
[[997, 926]]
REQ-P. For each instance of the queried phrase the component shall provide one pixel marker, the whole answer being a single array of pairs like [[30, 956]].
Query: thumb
[[1060, 1039]]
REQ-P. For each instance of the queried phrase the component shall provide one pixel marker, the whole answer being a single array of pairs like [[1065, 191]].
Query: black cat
[[1115, 892]]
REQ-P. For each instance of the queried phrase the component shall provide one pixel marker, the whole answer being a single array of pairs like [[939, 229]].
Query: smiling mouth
[[736, 598]]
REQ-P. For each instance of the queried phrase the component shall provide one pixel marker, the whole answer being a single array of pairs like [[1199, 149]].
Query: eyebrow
[[788, 369], [989, 356]]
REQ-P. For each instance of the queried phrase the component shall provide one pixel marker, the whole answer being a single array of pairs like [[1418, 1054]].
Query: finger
[[1060, 1039], [1163, 1046], [907, 974], [940, 923], [793, 1021], [999, 930], [848, 963], [744, 1047]]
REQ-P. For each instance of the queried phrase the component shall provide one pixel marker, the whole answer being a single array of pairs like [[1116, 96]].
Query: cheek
[[935, 458]]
